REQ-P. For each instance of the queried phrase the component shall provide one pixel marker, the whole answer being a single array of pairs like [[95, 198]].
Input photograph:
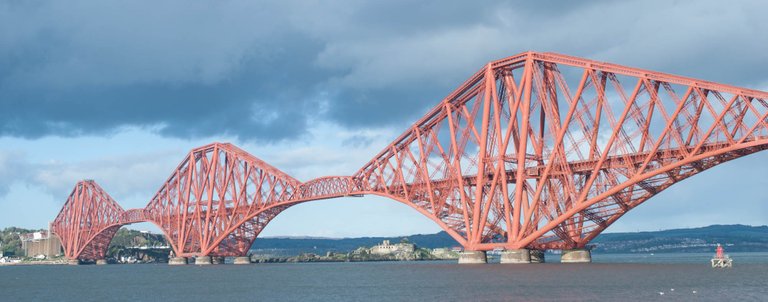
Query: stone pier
[[576, 256], [242, 260], [217, 260], [101, 262], [472, 257], [203, 260], [537, 256], [74, 261], [515, 256], [177, 261]]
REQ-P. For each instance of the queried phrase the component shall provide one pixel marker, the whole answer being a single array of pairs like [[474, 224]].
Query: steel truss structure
[[538, 150]]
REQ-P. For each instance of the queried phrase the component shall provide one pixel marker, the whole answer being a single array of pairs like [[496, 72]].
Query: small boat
[[721, 260]]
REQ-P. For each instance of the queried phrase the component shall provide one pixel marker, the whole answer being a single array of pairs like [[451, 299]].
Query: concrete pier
[[217, 260], [472, 257], [576, 256], [516, 256], [177, 261], [101, 262], [242, 260], [74, 261], [203, 260], [537, 256]]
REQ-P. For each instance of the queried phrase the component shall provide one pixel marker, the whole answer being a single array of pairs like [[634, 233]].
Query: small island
[[384, 251]]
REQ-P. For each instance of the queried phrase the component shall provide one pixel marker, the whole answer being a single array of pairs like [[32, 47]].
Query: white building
[[385, 248]]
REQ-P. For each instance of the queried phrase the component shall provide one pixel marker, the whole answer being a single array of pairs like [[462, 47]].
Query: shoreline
[[57, 262]]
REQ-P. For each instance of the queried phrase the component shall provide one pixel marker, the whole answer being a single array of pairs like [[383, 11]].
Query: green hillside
[[737, 238]]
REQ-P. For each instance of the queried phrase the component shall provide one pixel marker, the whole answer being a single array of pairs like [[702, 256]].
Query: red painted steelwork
[[537, 150], [218, 200], [87, 222]]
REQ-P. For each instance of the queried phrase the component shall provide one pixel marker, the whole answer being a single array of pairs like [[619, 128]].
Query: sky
[[120, 91]]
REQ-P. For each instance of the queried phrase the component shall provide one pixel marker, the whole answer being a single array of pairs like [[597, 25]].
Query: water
[[610, 278]]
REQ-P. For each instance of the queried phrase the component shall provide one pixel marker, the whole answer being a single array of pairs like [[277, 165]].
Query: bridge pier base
[[74, 261], [242, 260], [516, 256], [203, 260], [472, 257], [177, 261], [217, 260], [576, 256], [537, 256], [101, 262]]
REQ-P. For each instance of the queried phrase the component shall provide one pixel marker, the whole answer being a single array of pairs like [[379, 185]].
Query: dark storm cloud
[[201, 71], [264, 71], [253, 101]]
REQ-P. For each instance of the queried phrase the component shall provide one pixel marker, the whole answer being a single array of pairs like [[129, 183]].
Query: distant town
[[24, 246]]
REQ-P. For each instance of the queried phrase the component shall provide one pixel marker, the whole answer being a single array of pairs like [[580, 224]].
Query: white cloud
[[13, 169], [132, 165], [121, 177]]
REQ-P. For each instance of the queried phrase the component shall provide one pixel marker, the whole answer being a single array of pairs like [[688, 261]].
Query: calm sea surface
[[609, 278]]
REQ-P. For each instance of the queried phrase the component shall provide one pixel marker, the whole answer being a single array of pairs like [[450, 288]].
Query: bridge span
[[535, 151]]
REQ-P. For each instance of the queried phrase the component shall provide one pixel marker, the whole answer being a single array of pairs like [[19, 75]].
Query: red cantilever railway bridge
[[534, 151]]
